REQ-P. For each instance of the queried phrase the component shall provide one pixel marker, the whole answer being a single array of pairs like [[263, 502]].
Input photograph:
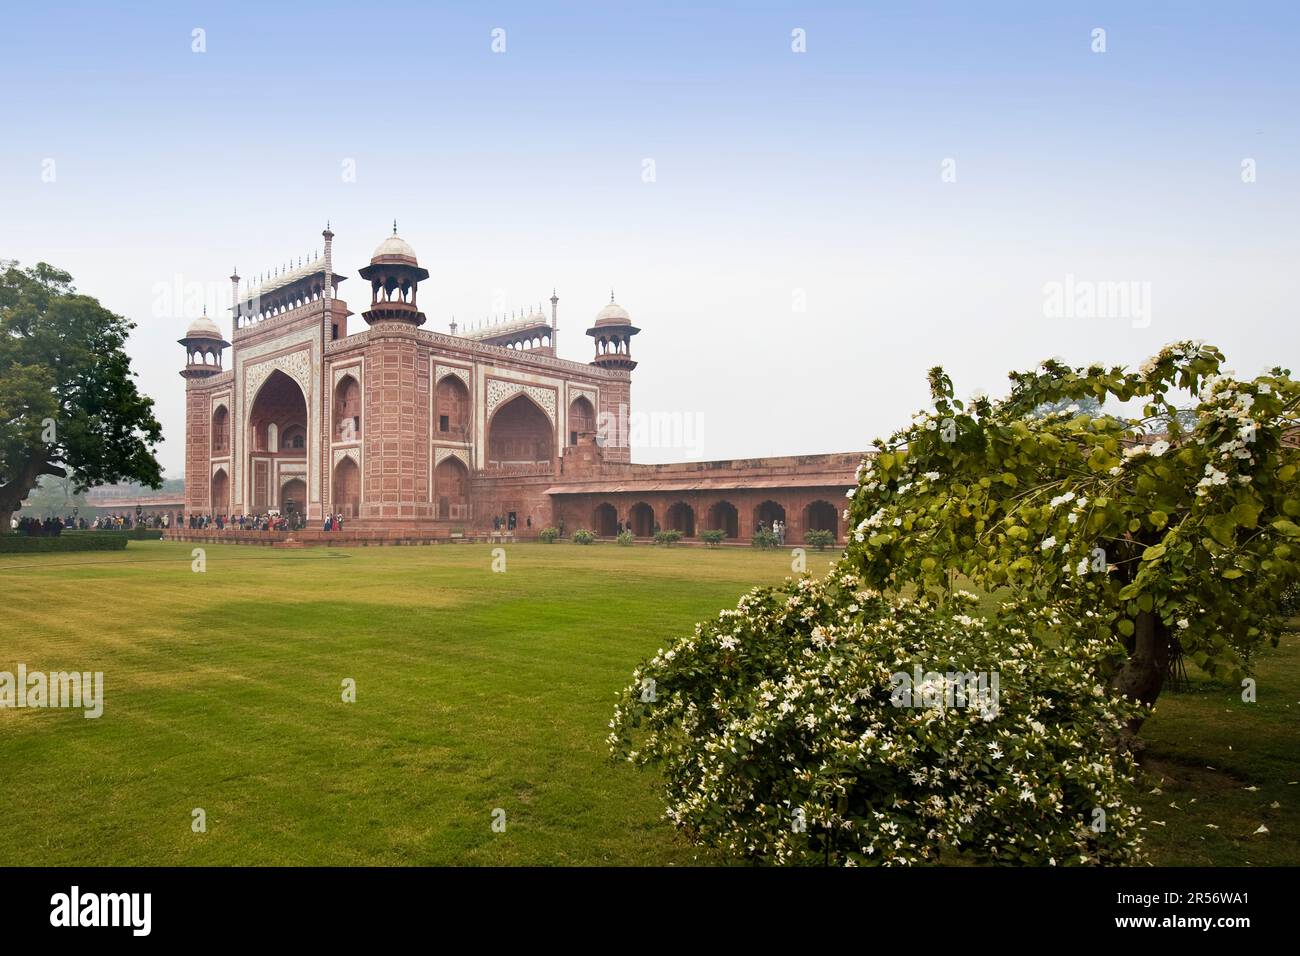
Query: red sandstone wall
[[396, 433], [198, 461], [616, 402]]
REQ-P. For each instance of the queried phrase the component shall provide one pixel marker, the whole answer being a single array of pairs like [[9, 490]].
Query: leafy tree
[[68, 404], [1159, 546]]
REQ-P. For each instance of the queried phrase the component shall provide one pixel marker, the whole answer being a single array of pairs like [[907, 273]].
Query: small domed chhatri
[[613, 333], [395, 276], [204, 346]]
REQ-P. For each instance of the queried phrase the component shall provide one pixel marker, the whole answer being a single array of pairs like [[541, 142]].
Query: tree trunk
[[13, 494], [1143, 674]]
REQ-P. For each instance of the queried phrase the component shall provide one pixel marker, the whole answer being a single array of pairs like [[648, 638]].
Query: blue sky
[[780, 178]]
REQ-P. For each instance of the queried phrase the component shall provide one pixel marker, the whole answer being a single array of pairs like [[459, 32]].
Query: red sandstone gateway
[[414, 435]]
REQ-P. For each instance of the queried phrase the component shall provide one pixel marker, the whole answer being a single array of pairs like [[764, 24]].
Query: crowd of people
[[270, 521], [56, 525], [43, 527]]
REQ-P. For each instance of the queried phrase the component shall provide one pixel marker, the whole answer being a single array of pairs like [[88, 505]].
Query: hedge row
[[134, 534], [22, 544]]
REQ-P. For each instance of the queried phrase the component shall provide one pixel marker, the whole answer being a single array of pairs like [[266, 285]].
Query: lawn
[[476, 691]]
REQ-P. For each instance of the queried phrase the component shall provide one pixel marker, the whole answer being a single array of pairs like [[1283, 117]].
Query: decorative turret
[[613, 333], [394, 276], [203, 347]]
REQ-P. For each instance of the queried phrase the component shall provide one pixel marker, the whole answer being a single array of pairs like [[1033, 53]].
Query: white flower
[[1073, 517], [1159, 448], [1183, 623], [1082, 567], [1049, 542]]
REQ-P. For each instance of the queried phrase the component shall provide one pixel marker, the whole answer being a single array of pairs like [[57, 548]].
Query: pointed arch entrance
[[724, 517], [277, 436], [604, 520], [642, 519], [681, 517], [346, 496], [451, 488], [520, 433]]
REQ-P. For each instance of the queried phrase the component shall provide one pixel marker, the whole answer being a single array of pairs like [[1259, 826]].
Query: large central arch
[[520, 434], [277, 433]]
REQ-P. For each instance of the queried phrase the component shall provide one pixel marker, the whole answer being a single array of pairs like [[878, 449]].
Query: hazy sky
[[821, 227]]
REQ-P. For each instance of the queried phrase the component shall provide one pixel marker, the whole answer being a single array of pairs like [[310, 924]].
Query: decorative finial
[[611, 295], [394, 227]]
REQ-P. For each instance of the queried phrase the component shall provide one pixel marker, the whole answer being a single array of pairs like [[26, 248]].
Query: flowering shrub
[[583, 536], [668, 538], [763, 539], [625, 538], [820, 538], [1153, 543], [778, 734], [713, 537], [548, 535]]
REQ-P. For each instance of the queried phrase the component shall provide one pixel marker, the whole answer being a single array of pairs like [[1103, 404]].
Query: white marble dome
[[613, 314], [394, 247], [203, 327]]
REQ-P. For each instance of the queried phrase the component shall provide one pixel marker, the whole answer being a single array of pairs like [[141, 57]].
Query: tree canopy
[[1173, 543], [69, 406]]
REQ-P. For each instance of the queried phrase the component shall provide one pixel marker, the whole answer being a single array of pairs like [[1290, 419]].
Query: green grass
[[475, 691], [1225, 767]]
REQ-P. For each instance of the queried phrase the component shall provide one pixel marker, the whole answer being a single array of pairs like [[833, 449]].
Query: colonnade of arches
[[644, 518]]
